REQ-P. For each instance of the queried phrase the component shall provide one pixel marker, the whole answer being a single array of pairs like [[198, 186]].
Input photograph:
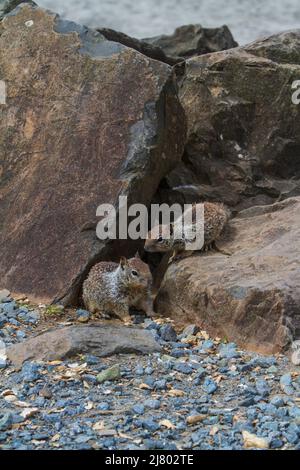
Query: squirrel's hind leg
[[92, 307], [146, 305], [179, 254], [122, 312]]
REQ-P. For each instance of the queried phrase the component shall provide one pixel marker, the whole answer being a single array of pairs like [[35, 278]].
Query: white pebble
[[296, 358]]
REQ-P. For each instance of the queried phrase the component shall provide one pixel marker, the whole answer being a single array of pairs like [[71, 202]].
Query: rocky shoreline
[[92, 114], [219, 126]]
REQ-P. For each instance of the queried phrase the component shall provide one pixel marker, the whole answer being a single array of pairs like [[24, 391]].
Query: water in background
[[247, 19]]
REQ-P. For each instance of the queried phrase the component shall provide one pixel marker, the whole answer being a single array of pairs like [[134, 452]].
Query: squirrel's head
[[134, 272], [159, 239]]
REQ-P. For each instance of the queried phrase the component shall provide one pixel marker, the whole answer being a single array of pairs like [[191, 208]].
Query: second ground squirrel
[[169, 239], [113, 288]]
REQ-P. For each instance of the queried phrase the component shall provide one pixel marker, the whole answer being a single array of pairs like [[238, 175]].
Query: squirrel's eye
[[160, 239], [134, 273]]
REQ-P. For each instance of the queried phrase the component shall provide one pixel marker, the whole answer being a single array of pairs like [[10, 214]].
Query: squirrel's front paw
[[179, 256], [173, 258], [127, 320]]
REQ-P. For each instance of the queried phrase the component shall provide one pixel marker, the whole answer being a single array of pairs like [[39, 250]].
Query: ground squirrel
[[165, 239], [113, 288]]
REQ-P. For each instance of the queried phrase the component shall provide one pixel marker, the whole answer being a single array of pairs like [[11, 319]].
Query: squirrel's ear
[[171, 229], [123, 262], [137, 255]]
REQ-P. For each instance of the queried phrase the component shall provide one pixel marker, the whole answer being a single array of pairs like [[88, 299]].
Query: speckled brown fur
[[113, 288]]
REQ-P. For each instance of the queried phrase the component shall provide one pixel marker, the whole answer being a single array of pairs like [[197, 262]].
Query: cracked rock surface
[[86, 120]]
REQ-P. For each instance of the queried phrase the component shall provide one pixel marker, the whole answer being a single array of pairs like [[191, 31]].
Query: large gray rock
[[99, 340], [191, 40], [243, 129], [86, 120], [251, 297]]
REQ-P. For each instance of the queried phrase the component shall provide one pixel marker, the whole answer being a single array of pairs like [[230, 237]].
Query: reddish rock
[[251, 297], [86, 119]]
